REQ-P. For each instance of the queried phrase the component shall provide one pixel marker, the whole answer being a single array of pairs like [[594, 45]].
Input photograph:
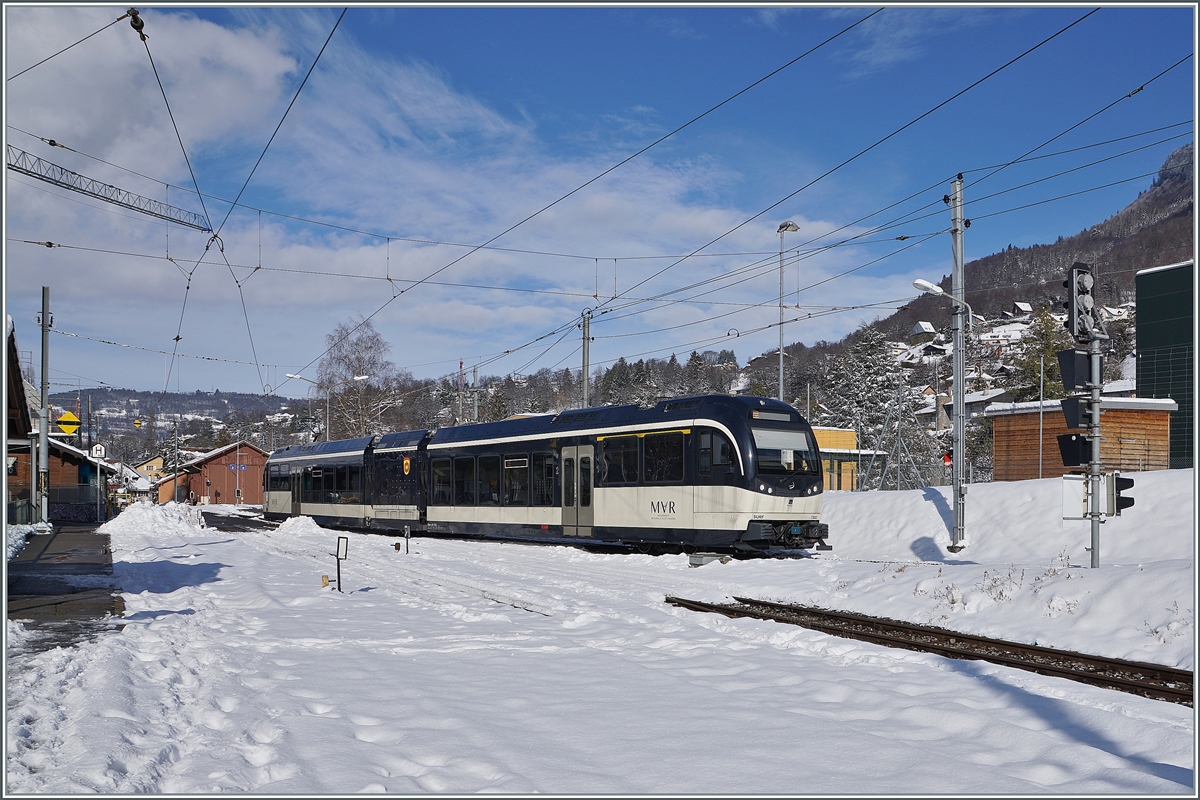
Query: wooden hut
[[1134, 431]]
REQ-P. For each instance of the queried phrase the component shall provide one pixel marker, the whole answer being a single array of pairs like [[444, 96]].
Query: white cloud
[[378, 145]]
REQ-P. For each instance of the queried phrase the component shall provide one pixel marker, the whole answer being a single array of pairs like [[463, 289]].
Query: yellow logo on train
[[407, 465]]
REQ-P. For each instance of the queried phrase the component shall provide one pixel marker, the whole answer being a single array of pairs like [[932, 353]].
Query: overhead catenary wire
[[68, 47], [871, 147], [598, 177], [390, 237], [216, 233]]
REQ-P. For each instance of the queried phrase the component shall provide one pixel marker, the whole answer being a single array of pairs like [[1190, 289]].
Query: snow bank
[[497, 667], [1015, 521], [15, 539]]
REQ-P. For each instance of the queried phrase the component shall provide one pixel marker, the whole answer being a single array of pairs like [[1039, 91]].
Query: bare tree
[[357, 403]]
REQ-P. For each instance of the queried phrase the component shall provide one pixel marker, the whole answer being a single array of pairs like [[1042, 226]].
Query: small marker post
[[407, 536], [343, 545]]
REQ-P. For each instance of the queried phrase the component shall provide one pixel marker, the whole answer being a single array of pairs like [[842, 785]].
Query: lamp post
[[960, 413], [783, 228], [328, 392]]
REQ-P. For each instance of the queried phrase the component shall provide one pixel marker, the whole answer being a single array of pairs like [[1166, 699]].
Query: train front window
[[784, 452]]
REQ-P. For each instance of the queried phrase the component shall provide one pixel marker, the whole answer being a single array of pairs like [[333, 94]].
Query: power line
[[651, 145], [68, 47], [596, 178], [873, 146]]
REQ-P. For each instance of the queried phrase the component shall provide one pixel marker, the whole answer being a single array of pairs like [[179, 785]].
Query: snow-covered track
[[1148, 680]]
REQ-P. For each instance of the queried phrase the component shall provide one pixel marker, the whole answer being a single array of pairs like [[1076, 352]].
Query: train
[[713, 473]]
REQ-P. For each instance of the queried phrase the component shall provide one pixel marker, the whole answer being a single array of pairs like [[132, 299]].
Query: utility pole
[[475, 391], [783, 228], [175, 472], [587, 339], [958, 292], [458, 419], [43, 483]]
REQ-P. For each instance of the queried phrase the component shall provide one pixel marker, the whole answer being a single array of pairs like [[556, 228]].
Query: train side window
[[619, 460], [585, 481], [489, 480], [354, 483], [664, 457], [464, 481], [705, 466], [516, 480], [328, 479], [542, 482], [341, 483], [306, 483], [442, 481]]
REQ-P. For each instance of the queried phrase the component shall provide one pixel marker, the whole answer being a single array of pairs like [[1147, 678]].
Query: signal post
[[1086, 370]]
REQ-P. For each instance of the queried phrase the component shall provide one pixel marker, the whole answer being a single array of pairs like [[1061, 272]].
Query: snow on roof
[[1164, 267], [1106, 403], [219, 450]]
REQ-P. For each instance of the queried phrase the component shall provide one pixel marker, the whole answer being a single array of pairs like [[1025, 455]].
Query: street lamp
[[328, 392], [959, 448], [783, 228]]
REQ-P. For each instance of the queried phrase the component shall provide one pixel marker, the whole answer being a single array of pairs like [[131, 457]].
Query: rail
[[1148, 680]]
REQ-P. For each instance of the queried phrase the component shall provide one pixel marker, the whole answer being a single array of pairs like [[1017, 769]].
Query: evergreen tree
[[1045, 337]]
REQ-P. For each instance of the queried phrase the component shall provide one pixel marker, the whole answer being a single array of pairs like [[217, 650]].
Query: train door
[[295, 484], [577, 482]]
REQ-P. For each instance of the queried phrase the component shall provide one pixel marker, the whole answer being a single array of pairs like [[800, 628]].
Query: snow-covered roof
[[1106, 404], [219, 450], [1187, 263]]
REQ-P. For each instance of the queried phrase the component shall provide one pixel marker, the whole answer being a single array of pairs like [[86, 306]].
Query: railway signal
[[1081, 303], [1115, 484]]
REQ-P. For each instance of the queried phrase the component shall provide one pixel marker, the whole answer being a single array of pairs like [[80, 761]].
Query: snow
[[474, 666], [14, 536]]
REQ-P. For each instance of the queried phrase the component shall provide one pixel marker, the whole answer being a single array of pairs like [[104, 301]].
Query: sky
[[486, 666], [424, 132]]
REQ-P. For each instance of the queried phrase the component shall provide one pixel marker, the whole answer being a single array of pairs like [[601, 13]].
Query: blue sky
[[448, 125]]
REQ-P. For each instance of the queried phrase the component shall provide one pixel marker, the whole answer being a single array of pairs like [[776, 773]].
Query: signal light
[[1075, 449], [1080, 301], [1115, 484], [1077, 412]]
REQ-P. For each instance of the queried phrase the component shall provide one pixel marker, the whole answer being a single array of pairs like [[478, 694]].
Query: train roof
[[717, 406], [403, 440], [341, 446]]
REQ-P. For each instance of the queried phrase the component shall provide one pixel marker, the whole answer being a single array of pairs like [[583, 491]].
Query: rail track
[[1148, 680]]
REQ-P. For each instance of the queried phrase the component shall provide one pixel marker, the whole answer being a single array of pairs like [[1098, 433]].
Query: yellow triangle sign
[[68, 423]]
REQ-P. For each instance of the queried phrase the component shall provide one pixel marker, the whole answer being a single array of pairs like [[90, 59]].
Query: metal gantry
[[31, 165]]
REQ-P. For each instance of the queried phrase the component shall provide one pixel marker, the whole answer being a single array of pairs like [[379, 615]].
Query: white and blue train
[[713, 473]]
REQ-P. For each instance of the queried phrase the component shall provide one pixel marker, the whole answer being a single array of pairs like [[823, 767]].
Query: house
[[1020, 309], [922, 332], [1001, 338], [19, 430], [840, 457], [152, 468], [232, 474], [1166, 357], [1134, 436], [78, 482]]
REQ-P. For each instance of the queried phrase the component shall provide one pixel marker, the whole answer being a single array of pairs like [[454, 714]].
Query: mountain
[[1155, 229]]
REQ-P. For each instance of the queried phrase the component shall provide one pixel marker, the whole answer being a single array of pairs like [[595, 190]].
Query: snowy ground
[[465, 667]]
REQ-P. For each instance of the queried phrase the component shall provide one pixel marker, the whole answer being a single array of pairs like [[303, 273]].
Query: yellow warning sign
[[68, 423], [137, 423]]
